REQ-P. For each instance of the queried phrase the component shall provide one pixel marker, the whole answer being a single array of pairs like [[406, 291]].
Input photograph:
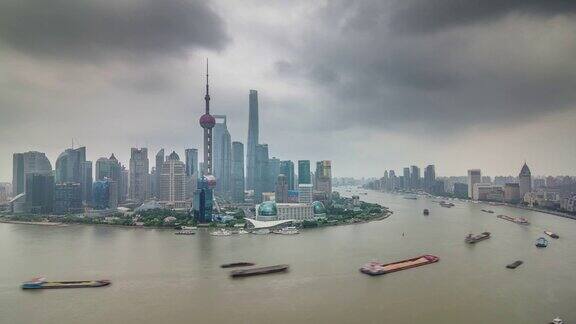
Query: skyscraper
[[261, 177], [324, 177], [222, 155], [252, 139], [173, 182], [207, 122], [110, 168], [525, 180], [304, 172], [157, 173], [139, 177], [72, 167], [105, 194], [25, 163], [287, 168], [39, 192], [273, 172], [414, 177], [237, 172], [474, 177], [429, 177], [406, 178], [281, 189], [191, 161]]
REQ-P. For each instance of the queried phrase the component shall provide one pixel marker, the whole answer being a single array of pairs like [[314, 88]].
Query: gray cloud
[[96, 30], [433, 15]]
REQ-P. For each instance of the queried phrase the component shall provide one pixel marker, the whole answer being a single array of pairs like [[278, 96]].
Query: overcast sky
[[368, 84]]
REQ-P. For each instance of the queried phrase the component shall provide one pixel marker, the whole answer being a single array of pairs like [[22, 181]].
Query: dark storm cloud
[[433, 15], [503, 71], [94, 30]]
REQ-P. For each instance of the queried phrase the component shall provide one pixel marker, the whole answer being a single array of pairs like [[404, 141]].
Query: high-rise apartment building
[[474, 177], [139, 177], [237, 192], [252, 139]]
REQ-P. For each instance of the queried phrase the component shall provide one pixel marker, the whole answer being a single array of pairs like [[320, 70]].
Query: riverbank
[[33, 223]]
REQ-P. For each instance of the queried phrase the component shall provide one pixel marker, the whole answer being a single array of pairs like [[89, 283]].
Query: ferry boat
[[517, 220], [471, 239], [445, 204], [376, 268], [290, 230], [221, 232], [259, 271], [426, 212], [237, 264], [552, 234], [541, 242], [41, 283], [514, 264]]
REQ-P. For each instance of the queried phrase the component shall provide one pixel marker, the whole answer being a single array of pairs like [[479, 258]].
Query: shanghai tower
[[252, 140]]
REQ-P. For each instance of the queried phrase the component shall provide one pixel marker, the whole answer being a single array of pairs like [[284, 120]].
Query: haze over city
[[370, 85]]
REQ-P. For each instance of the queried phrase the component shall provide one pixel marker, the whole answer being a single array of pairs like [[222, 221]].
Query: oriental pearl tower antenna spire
[[207, 122]]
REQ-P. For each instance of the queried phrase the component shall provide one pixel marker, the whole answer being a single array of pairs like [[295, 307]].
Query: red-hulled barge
[[376, 268]]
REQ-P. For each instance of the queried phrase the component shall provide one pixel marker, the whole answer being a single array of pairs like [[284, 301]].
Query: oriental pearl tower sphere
[[207, 122]]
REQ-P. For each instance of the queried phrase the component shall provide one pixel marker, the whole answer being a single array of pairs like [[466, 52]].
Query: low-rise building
[[542, 198], [569, 203], [487, 192], [512, 193]]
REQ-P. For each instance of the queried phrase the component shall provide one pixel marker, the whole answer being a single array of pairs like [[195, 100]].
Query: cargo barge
[[259, 271], [471, 239], [517, 220], [514, 264], [376, 268], [41, 283], [237, 264]]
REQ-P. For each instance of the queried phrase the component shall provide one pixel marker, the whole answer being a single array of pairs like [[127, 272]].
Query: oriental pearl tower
[[207, 122]]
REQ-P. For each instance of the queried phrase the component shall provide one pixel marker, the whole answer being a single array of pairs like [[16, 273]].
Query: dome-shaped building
[[267, 211], [319, 209], [173, 156]]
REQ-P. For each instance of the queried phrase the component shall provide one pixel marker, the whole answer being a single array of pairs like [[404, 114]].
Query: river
[[159, 277]]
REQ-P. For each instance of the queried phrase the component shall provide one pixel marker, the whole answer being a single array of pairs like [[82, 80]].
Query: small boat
[[259, 271], [41, 283], [541, 242], [411, 197], [557, 320], [290, 230], [185, 232], [221, 232], [471, 239], [517, 220], [488, 211], [376, 268], [189, 228], [237, 264], [514, 264], [426, 212], [552, 234], [261, 231]]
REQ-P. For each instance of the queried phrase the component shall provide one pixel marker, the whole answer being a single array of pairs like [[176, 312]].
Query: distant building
[[261, 181], [139, 177], [293, 196], [72, 167], [543, 198], [323, 177], [287, 169], [39, 193], [406, 178], [487, 192], [173, 182], [204, 199], [460, 190], [159, 159], [512, 193], [569, 203], [304, 172], [271, 211], [67, 198], [222, 150], [237, 190], [305, 193], [110, 168], [474, 177], [25, 163], [525, 180], [273, 172], [281, 189], [191, 161], [429, 178], [268, 196], [252, 140], [415, 177], [105, 194]]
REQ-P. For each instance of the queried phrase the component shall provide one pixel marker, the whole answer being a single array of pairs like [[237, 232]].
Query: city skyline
[[440, 99]]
